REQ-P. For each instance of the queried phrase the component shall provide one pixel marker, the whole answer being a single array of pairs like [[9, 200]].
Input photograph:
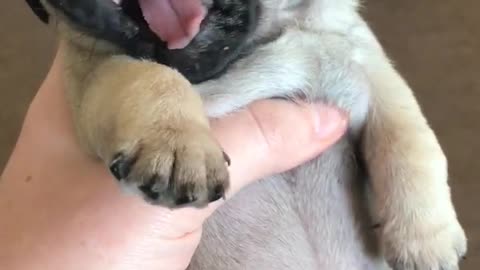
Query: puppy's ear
[[39, 10]]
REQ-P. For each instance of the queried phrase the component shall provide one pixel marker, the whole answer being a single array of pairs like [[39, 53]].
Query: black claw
[[217, 194], [186, 195], [185, 200], [397, 264], [464, 258], [376, 226], [120, 166], [227, 159], [147, 189], [158, 183]]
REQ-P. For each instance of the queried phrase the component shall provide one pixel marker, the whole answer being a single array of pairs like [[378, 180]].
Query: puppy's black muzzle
[[222, 38]]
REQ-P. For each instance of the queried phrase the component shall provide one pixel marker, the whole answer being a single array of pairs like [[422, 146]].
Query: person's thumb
[[266, 138], [273, 136]]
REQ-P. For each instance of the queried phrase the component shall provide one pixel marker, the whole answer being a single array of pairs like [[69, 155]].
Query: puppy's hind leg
[[408, 170]]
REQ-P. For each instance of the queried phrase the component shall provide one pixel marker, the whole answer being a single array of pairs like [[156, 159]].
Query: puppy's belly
[[313, 217]]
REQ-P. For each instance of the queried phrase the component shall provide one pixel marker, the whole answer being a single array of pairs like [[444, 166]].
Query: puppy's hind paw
[[434, 248]]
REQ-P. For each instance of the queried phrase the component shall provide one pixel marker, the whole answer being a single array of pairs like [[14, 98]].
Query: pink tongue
[[174, 21]]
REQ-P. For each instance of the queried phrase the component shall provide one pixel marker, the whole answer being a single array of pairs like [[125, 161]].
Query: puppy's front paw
[[172, 167], [418, 246]]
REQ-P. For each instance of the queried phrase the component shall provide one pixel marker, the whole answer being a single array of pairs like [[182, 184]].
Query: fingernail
[[328, 121]]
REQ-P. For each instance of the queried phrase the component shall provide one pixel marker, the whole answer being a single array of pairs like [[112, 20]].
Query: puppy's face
[[230, 29]]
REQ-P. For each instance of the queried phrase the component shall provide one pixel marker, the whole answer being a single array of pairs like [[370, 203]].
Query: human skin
[[61, 209]]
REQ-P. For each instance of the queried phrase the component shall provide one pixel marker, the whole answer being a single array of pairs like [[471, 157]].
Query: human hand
[[68, 210]]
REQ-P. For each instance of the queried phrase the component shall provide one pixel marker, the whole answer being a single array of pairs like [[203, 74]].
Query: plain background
[[435, 44]]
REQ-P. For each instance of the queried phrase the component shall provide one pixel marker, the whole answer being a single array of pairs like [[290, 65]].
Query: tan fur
[[412, 197], [150, 112], [147, 112]]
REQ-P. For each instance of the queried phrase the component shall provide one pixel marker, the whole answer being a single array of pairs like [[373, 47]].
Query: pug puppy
[[378, 199]]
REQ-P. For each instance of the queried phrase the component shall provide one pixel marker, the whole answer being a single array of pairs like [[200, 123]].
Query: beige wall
[[26, 47]]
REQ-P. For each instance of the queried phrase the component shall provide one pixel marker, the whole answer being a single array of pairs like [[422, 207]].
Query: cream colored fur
[[328, 53]]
